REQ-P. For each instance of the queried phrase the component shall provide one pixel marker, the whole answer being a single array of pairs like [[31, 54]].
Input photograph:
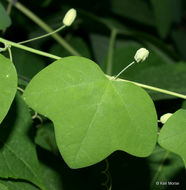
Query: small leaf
[[8, 85], [173, 134], [18, 159], [93, 116], [4, 18]]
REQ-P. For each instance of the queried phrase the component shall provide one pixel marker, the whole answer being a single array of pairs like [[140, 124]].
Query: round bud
[[165, 117], [141, 55], [69, 17]]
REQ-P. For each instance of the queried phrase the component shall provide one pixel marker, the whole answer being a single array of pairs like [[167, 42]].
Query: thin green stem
[[10, 54], [111, 78], [160, 90], [20, 89], [9, 8], [43, 36], [151, 88], [111, 51], [45, 27], [124, 70], [29, 49]]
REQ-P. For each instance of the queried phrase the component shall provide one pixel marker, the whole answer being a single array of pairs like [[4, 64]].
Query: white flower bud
[[165, 117], [69, 17], [141, 55]]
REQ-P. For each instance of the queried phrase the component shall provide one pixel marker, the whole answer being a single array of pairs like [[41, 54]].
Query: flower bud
[[69, 17], [141, 55], [165, 117]]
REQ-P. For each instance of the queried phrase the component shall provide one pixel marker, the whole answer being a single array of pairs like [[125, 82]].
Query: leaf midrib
[[91, 122]]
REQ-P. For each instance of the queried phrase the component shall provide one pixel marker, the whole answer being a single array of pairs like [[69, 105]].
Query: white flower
[[165, 117], [141, 55], [69, 17]]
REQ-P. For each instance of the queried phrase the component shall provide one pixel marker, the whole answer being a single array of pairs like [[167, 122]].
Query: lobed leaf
[[92, 115]]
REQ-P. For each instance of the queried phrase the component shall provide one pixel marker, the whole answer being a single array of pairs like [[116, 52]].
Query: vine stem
[[10, 54], [20, 89], [153, 88], [29, 49], [111, 51], [124, 70], [43, 36], [45, 27], [111, 78]]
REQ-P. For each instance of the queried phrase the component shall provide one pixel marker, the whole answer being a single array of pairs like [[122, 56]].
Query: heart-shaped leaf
[[173, 134], [93, 115], [8, 85]]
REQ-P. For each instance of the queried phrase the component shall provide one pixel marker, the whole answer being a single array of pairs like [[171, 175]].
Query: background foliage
[[28, 144]]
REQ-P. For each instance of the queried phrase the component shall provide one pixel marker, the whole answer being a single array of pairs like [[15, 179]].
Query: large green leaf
[[18, 159], [173, 134], [4, 18], [8, 85], [93, 115]]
